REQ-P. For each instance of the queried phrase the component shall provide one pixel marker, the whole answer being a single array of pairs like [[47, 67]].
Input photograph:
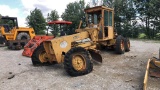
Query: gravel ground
[[117, 72]]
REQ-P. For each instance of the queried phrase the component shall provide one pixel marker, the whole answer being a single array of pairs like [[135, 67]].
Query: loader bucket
[[153, 70], [95, 56]]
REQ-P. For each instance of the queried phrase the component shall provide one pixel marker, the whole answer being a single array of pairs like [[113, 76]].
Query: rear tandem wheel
[[119, 46]]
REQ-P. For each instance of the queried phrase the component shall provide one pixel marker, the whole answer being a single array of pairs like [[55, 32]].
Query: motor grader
[[77, 51], [16, 37], [152, 70]]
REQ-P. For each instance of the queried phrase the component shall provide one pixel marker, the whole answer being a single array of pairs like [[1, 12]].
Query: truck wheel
[[77, 62], [127, 44], [2, 40], [23, 36], [119, 45], [39, 55]]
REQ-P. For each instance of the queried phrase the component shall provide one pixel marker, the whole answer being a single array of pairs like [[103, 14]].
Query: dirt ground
[[117, 72]]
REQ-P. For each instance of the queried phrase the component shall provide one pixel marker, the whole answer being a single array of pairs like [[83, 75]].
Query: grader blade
[[95, 56], [152, 70]]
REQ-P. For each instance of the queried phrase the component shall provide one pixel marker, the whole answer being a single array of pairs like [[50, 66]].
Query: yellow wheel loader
[[77, 51], [152, 70], [16, 37]]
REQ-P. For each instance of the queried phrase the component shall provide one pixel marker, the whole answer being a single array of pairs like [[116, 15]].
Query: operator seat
[[6, 27]]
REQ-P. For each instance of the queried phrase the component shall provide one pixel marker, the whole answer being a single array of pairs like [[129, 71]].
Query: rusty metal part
[[95, 54], [33, 44], [154, 67]]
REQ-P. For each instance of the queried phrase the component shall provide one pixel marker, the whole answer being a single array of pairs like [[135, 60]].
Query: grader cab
[[77, 51]]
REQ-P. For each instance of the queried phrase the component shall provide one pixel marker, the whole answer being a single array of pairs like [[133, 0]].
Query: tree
[[124, 15], [37, 21], [149, 14], [74, 13], [52, 17], [108, 3]]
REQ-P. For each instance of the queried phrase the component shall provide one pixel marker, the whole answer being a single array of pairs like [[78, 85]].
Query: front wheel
[[39, 56], [77, 62], [119, 46]]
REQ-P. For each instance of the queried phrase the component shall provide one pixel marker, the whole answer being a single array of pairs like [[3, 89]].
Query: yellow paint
[[58, 47], [78, 62], [12, 34]]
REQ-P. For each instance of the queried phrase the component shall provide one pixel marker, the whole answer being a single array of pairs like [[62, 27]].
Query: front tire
[[77, 62], [119, 46], [39, 55]]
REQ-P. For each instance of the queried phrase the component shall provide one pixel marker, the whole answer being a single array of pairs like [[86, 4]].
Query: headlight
[[63, 44]]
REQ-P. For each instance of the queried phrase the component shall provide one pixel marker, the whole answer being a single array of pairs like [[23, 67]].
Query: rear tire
[[77, 62], [36, 56], [2, 40], [23, 36], [127, 44], [119, 47]]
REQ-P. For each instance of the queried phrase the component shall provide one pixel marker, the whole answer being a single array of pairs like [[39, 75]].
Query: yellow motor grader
[[77, 51]]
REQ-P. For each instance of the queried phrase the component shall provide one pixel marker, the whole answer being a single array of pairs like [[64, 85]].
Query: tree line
[[133, 18], [74, 12], [136, 18]]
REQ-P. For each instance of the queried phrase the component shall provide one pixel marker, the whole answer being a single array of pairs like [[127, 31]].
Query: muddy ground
[[117, 72]]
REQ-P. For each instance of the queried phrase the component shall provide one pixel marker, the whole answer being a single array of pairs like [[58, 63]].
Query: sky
[[21, 8]]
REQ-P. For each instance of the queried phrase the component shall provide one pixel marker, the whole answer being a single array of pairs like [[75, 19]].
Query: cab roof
[[97, 8]]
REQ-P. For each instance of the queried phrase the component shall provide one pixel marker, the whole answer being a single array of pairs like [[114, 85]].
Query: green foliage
[[142, 36], [37, 21], [52, 17], [133, 18], [129, 12], [74, 13], [149, 13], [157, 36], [41, 32], [124, 13]]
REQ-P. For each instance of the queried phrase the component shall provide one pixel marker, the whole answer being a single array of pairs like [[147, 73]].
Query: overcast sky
[[22, 8]]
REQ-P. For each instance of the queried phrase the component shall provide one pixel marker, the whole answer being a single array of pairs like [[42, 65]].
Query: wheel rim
[[43, 56], [122, 45], [78, 62], [128, 43]]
